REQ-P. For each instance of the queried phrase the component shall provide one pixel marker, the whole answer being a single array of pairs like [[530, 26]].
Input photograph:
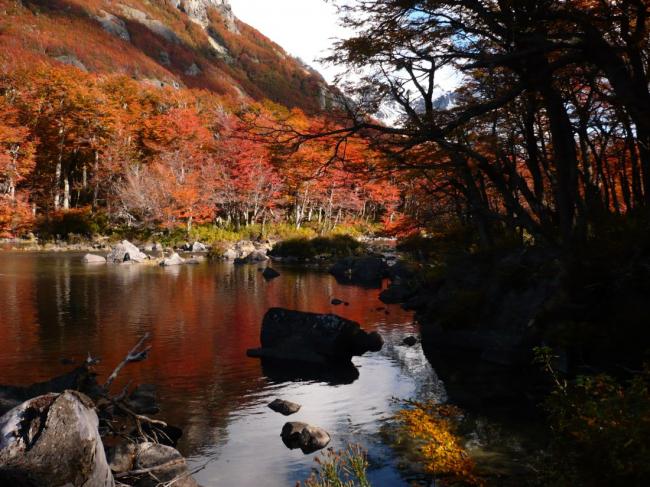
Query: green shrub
[[340, 469], [71, 223], [334, 246], [600, 427]]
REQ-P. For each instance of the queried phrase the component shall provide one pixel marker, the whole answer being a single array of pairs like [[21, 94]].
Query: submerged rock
[[286, 408], [125, 251], [94, 259], [164, 462], [313, 338], [304, 436]]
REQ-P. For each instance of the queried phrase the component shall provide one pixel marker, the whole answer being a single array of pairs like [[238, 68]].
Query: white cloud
[[304, 28]]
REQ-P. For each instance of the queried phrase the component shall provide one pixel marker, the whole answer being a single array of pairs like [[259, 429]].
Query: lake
[[202, 319]]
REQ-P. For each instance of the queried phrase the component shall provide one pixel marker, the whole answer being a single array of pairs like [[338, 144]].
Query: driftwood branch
[[137, 354]]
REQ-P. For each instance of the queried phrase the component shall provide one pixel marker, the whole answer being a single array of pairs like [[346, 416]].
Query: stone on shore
[[164, 462], [94, 259], [53, 440], [125, 251], [286, 408], [304, 436], [173, 260]]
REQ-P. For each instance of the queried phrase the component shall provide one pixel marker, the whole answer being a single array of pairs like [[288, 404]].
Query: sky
[[304, 28]]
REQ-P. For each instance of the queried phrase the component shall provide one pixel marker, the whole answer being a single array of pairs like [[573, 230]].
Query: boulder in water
[[367, 271], [286, 408], [304, 436], [312, 338], [270, 273]]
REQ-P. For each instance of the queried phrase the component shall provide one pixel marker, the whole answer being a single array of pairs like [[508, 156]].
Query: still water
[[203, 318]]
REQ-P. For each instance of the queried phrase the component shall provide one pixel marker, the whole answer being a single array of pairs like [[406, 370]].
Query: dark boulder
[[304, 436], [313, 338], [410, 341], [270, 273], [397, 292], [287, 408], [366, 271]]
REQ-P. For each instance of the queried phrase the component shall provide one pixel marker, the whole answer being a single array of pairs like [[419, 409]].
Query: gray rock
[[230, 254], [125, 251], [286, 408], [113, 25], [167, 464], [199, 247], [193, 70], [173, 260], [304, 436], [53, 440], [257, 256], [94, 259], [197, 10], [313, 338], [71, 60]]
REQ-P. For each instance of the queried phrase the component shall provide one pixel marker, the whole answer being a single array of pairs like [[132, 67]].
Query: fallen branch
[[135, 355]]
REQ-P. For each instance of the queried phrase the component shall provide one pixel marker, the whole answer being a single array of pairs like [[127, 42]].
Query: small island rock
[[286, 408], [270, 273], [304, 436]]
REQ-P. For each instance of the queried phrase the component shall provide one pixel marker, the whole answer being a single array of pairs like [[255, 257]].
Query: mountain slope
[[180, 43]]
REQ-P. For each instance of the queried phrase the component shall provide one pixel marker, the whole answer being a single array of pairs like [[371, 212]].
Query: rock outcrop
[[313, 338], [197, 11], [113, 25]]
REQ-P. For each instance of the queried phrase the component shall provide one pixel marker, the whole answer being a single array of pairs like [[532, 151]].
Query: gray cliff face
[[197, 10]]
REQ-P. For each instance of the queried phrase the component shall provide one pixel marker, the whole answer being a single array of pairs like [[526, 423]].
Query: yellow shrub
[[432, 427]]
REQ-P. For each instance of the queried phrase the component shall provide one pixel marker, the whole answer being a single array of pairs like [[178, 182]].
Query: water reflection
[[203, 319]]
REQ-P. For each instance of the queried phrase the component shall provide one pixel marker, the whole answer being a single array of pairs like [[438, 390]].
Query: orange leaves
[[432, 426]]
